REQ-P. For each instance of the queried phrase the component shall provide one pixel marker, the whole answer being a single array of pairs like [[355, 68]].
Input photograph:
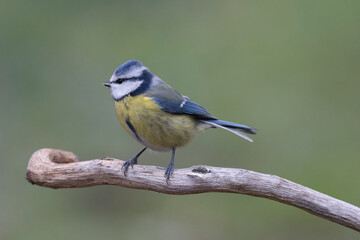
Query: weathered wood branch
[[59, 169]]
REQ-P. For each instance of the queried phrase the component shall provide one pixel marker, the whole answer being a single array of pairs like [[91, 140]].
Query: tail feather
[[235, 128]]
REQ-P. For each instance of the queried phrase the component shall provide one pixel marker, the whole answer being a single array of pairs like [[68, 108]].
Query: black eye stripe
[[121, 80]]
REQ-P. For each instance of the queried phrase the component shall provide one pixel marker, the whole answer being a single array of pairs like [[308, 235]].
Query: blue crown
[[126, 67]]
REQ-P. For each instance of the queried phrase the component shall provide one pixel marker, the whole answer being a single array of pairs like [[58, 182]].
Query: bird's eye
[[120, 80]]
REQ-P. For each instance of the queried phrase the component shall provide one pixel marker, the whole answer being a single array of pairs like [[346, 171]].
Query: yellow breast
[[142, 118]]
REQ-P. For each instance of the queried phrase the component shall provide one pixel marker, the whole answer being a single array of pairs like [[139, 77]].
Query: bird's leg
[[170, 168], [131, 162]]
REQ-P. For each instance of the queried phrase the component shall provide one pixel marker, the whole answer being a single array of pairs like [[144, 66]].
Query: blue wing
[[184, 107], [193, 109]]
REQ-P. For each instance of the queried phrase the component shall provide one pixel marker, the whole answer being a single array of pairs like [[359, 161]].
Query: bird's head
[[128, 78]]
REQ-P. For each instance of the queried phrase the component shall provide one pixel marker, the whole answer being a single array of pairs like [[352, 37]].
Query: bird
[[158, 116]]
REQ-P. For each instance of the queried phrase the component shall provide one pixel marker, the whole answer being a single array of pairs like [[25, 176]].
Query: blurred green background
[[291, 69]]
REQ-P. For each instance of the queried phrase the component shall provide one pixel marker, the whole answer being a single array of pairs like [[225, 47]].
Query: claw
[[170, 169], [131, 162], [169, 172], [128, 163]]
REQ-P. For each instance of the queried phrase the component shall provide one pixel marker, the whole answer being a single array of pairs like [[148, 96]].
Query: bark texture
[[60, 169]]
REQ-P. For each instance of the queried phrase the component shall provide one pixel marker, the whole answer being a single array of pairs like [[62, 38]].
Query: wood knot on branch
[[59, 156], [201, 169]]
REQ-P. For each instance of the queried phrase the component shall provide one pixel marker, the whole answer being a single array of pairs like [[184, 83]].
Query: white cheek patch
[[118, 91]]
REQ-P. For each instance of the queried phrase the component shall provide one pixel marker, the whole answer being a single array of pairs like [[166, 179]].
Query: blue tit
[[156, 115]]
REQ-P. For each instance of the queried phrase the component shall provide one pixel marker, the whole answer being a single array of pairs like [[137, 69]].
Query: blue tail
[[235, 128]]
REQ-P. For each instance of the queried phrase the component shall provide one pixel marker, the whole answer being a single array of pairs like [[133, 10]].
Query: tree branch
[[59, 169]]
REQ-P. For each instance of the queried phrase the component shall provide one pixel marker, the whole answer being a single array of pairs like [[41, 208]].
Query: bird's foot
[[169, 171], [127, 164]]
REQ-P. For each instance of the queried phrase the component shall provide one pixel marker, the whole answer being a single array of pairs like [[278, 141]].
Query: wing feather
[[184, 107]]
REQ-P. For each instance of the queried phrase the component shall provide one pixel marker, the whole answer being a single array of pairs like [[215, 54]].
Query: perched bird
[[158, 116]]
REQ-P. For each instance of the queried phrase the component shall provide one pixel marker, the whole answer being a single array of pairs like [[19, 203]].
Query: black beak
[[107, 84]]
